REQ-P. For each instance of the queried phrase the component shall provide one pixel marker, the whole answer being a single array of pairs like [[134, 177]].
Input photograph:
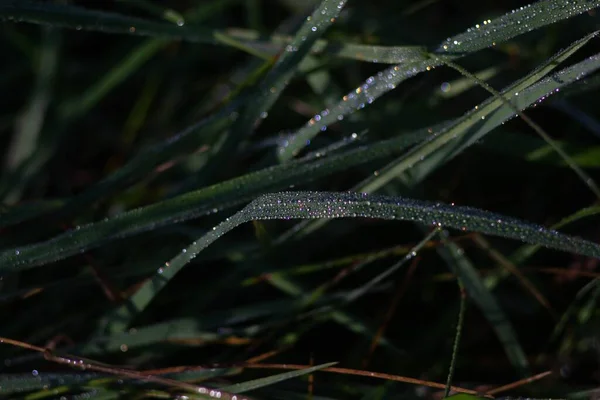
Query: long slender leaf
[[488, 304], [68, 16], [310, 205], [109, 22], [483, 35], [278, 78], [454, 136], [244, 188], [204, 201], [270, 380]]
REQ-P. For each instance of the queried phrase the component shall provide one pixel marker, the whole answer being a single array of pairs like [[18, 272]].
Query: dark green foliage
[[371, 145]]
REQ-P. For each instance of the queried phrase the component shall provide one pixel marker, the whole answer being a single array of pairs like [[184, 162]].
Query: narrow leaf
[[79, 18], [271, 380], [310, 205], [486, 34]]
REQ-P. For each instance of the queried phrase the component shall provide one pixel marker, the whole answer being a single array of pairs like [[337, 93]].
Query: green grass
[[329, 199]]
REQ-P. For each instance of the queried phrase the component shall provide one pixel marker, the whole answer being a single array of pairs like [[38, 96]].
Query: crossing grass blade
[[522, 254], [183, 28], [202, 202], [139, 165], [312, 205], [451, 138], [471, 127], [116, 138], [486, 34]]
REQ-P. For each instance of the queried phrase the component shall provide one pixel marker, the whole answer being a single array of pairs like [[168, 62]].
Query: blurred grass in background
[[129, 129]]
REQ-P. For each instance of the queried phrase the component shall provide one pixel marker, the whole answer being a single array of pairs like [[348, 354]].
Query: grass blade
[[201, 202], [270, 380], [487, 34], [310, 205], [244, 188], [352, 51], [80, 18], [474, 125], [488, 304], [272, 86], [454, 136]]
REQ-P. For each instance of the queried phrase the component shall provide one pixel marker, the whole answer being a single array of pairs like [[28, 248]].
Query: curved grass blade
[[522, 254], [483, 35], [271, 380], [311, 205], [85, 19], [528, 251], [92, 20], [474, 125], [454, 136], [246, 187], [201, 202], [142, 163]]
